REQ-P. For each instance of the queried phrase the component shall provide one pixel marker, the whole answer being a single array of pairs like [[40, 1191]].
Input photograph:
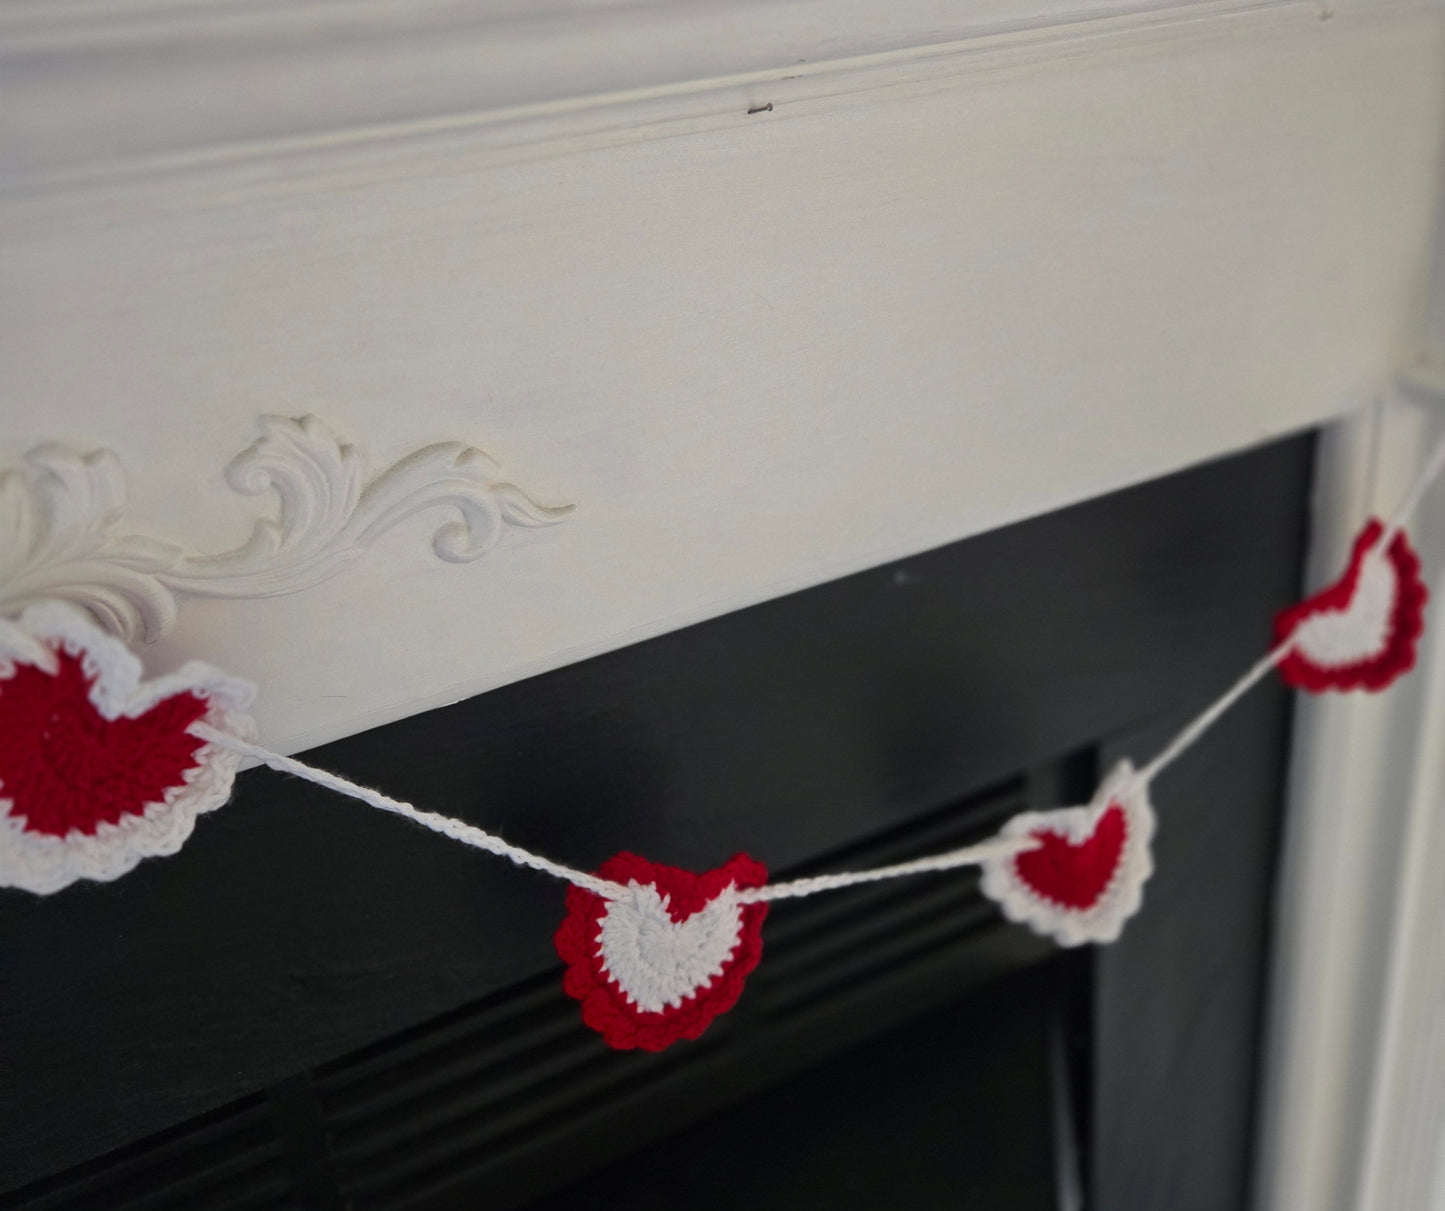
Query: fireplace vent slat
[[229, 1161], [475, 1106], [478, 1100]]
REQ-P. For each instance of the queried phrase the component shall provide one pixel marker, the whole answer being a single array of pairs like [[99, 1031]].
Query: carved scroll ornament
[[63, 531]]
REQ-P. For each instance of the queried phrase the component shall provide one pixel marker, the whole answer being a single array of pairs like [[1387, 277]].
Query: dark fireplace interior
[[315, 1006]]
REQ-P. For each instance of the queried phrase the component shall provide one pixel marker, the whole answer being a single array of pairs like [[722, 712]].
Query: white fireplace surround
[[765, 291]]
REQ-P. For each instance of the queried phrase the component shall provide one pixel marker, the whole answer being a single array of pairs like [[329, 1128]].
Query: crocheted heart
[[660, 962], [1362, 631], [1084, 876], [98, 770]]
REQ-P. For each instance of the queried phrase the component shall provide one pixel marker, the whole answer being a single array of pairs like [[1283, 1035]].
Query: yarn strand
[[1432, 470], [1427, 477], [972, 855], [1210, 714], [470, 834], [457, 830]]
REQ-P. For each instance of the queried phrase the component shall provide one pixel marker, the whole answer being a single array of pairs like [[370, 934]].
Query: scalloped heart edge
[[1407, 622], [44, 864], [604, 1005], [1121, 897]]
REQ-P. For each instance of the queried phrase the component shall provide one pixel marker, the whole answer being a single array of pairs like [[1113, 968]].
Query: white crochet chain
[[469, 834], [1333, 634], [99, 769]]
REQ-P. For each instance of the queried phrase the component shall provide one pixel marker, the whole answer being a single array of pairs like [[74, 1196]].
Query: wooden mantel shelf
[[965, 269]]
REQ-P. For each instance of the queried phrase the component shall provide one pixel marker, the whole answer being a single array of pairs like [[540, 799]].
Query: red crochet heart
[[1075, 874], [65, 767], [659, 963], [1360, 633], [1083, 874]]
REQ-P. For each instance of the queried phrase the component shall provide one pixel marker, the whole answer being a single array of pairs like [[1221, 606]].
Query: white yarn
[[1362, 631], [973, 855], [686, 951], [1329, 637], [469, 834], [1432, 470], [1210, 714], [657, 962], [457, 830]]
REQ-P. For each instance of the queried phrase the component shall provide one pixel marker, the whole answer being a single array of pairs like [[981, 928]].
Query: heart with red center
[[97, 768], [1084, 875], [660, 961], [1362, 631]]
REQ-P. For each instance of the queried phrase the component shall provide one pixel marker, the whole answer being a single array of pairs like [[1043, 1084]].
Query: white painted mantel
[[967, 268]]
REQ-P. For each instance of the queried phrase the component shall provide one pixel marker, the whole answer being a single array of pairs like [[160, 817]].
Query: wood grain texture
[[934, 290], [93, 87]]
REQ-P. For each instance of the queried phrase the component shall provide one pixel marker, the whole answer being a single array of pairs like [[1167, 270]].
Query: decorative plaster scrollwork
[[63, 534]]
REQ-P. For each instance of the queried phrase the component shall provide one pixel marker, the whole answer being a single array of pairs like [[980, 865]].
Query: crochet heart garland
[[97, 768], [1084, 877], [659, 963], [1361, 632]]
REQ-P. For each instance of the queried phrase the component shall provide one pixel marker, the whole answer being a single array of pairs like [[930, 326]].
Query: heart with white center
[[1084, 875], [658, 962], [1362, 631], [662, 959]]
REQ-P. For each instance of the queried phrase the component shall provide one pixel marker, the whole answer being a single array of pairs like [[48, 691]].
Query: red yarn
[[605, 1007], [65, 767], [1075, 874], [1407, 622]]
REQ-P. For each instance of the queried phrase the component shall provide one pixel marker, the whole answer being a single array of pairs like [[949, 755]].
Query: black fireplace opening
[[316, 1007]]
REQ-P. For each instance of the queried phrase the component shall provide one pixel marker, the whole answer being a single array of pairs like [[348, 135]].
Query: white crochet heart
[[658, 962], [1361, 631]]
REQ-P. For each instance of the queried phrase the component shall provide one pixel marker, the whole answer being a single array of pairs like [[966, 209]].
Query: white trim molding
[[976, 262], [92, 88], [1354, 1096], [64, 534]]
